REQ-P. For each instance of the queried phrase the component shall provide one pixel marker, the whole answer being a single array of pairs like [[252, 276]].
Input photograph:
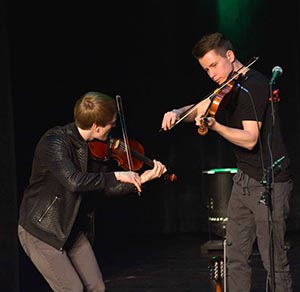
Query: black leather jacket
[[59, 181]]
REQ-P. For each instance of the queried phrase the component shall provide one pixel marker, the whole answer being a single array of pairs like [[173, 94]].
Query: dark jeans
[[75, 270], [249, 219]]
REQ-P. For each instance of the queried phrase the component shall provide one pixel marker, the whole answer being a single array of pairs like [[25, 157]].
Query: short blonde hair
[[94, 107]]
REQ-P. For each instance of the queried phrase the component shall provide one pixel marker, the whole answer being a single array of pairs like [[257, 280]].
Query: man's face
[[216, 66]]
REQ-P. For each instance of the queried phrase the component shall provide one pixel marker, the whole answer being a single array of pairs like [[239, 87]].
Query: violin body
[[128, 153], [217, 101], [116, 149]]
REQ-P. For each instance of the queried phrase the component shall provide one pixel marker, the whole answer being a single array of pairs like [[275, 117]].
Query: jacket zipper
[[46, 211]]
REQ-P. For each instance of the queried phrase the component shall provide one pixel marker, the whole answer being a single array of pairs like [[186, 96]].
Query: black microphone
[[277, 71]]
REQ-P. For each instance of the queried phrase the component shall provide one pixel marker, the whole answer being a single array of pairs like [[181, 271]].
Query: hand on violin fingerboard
[[156, 172]]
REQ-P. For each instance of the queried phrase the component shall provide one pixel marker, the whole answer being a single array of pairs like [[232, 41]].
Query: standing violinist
[[247, 124], [56, 212]]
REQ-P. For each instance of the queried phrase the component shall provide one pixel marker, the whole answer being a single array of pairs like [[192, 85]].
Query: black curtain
[[9, 277], [141, 51]]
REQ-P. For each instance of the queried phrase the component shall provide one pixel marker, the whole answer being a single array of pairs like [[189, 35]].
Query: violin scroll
[[203, 129]]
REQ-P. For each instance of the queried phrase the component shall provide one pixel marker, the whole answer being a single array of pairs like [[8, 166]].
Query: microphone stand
[[267, 182]]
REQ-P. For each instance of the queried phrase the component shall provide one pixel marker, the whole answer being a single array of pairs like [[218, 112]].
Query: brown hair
[[94, 107], [215, 41]]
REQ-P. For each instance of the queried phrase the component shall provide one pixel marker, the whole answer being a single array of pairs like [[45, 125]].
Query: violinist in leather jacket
[[56, 213]]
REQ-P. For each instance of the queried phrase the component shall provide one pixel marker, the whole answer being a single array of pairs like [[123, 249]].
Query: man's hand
[[157, 171], [134, 178], [169, 120], [129, 177]]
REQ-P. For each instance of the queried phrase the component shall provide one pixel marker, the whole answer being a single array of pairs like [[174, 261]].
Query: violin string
[[137, 154], [171, 177]]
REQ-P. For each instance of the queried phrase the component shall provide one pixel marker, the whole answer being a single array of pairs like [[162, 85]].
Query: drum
[[217, 184]]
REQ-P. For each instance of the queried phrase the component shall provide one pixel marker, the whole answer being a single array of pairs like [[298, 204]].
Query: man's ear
[[95, 127], [230, 56]]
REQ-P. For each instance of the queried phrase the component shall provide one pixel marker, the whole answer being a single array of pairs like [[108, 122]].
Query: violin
[[214, 105], [216, 98], [115, 149], [219, 95]]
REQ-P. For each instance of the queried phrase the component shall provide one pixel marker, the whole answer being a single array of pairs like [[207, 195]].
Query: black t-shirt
[[251, 103]]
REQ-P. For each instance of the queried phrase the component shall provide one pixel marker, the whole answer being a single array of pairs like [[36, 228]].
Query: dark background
[[52, 53]]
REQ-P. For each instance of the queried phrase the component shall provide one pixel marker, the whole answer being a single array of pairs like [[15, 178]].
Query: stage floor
[[162, 263]]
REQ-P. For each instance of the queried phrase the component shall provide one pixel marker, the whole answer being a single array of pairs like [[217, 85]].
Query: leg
[[54, 265], [280, 205], [83, 258], [240, 236]]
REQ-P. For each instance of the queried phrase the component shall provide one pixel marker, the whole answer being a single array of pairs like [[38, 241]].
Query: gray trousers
[[74, 271], [249, 220]]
